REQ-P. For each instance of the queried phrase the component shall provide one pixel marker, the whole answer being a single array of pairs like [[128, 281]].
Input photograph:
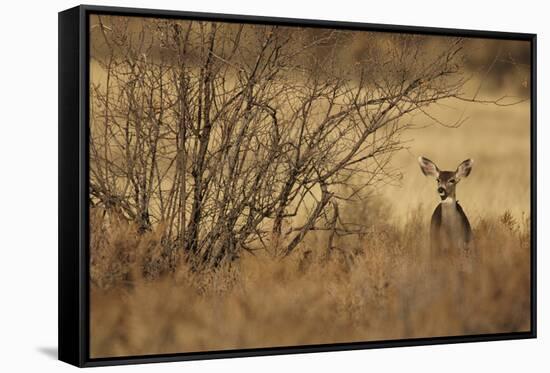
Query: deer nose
[[441, 190]]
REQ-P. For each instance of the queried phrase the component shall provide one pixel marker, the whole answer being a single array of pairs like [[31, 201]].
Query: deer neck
[[449, 201], [450, 218]]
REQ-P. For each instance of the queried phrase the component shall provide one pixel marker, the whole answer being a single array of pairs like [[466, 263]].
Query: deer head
[[446, 180]]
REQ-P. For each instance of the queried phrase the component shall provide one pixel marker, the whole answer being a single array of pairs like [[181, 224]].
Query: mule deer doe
[[449, 228]]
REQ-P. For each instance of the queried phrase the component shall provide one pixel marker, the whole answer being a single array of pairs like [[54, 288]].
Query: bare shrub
[[238, 138]]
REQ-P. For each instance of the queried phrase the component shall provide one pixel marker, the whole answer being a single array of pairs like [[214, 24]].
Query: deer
[[449, 228]]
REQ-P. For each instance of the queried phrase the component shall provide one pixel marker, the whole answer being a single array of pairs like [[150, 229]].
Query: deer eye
[[437, 180], [452, 181]]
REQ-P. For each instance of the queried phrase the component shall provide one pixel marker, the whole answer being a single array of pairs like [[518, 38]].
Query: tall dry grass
[[387, 285]]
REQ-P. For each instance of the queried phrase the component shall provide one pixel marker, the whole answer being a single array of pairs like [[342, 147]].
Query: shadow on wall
[[49, 351]]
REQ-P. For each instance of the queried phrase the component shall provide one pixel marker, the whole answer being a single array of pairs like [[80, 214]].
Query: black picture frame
[[74, 232]]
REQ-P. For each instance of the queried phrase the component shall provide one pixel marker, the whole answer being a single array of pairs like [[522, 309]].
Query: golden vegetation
[[389, 287]]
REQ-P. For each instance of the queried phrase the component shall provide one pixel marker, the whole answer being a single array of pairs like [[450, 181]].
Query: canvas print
[[258, 185]]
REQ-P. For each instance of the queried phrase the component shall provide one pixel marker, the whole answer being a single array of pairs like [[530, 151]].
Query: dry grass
[[387, 286]]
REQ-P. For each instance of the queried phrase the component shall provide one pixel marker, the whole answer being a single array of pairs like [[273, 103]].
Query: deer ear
[[428, 167], [464, 168]]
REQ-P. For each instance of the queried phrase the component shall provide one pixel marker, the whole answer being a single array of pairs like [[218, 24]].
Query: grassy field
[[386, 286], [390, 288]]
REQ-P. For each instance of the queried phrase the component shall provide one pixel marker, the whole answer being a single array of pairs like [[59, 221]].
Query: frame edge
[[69, 214], [305, 22]]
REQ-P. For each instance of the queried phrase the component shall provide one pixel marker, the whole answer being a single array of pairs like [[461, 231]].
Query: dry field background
[[382, 284], [497, 138], [390, 287]]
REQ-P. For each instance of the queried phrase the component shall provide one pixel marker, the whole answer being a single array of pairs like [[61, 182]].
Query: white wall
[[28, 187]]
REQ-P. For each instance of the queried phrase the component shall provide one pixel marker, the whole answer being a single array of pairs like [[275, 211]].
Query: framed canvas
[[238, 186]]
